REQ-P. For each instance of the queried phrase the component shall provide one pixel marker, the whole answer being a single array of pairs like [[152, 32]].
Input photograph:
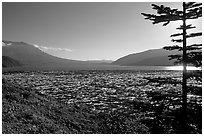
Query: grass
[[24, 111]]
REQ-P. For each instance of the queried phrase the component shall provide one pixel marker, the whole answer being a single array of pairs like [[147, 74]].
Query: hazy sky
[[87, 31]]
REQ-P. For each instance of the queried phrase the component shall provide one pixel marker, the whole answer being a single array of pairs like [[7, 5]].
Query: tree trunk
[[184, 83]]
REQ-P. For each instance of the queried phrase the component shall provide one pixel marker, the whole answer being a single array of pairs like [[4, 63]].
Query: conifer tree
[[191, 54]]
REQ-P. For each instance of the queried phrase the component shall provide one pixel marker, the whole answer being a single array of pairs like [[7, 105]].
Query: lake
[[96, 67]]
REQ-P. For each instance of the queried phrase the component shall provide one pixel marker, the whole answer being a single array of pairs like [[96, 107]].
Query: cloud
[[35, 45], [52, 48], [6, 44], [3, 44]]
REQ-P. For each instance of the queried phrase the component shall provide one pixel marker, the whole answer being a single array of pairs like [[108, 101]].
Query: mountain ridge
[[30, 55]]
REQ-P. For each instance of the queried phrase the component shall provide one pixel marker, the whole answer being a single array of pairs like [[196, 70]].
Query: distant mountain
[[29, 55], [154, 57], [100, 61], [9, 62]]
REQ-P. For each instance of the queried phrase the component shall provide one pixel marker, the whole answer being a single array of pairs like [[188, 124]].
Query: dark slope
[[9, 62], [155, 61], [32, 56], [154, 57]]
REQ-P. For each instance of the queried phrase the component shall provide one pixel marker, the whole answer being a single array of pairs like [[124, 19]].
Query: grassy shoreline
[[24, 111]]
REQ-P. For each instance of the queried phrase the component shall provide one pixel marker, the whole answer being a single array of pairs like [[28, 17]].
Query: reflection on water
[[181, 68]]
